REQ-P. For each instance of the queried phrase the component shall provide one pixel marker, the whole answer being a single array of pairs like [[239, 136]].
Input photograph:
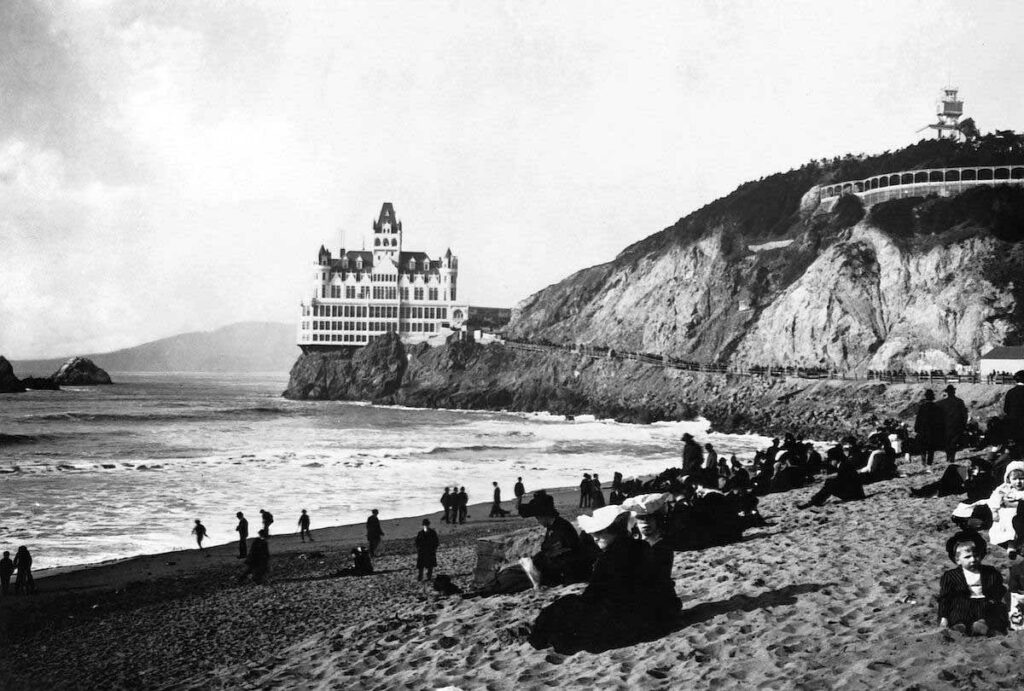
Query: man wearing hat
[[929, 428], [954, 421], [693, 455], [1013, 409]]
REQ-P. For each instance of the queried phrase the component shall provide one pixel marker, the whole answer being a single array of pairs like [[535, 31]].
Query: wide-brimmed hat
[[980, 547], [542, 504], [687, 436], [949, 388], [602, 518], [647, 504]]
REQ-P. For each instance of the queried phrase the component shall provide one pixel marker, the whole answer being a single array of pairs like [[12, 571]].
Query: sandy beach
[[837, 597]]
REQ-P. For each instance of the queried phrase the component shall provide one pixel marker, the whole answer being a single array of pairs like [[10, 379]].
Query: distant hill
[[242, 347]]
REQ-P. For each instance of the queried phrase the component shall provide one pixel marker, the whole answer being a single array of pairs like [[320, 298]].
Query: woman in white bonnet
[[1007, 504], [650, 512]]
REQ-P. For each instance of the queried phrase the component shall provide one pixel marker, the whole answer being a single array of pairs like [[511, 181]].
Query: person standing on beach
[[693, 455], [267, 519], [200, 532], [243, 534], [6, 569], [596, 494], [304, 527], [373, 532], [954, 419], [929, 427], [463, 505], [446, 504], [519, 491], [258, 562], [426, 550], [585, 487], [24, 583], [496, 509]]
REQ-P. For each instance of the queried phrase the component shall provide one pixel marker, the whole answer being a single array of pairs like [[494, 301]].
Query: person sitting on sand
[[881, 463], [971, 594], [257, 563], [426, 550], [649, 512], [846, 485], [304, 527], [23, 582], [560, 561], [200, 532], [1007, 504], [619, 606]]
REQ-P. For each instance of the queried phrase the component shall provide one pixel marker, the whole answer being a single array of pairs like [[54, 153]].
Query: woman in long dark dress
[[23, 582]]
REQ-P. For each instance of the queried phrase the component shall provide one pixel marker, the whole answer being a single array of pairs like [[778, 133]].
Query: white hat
[[646, 504], [601, 519], [1011, 467]]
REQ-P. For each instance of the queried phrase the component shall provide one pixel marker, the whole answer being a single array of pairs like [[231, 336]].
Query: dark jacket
[[1013, 409], [242, 528], [954, 412], [693, 457], [930, 426], [373, 529], [6, 567], [426, 548], [259, 555], [953, 589], [560, 559]]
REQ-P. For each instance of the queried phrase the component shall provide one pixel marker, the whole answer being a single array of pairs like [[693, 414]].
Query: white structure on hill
[[1004, 359], [361, 294]]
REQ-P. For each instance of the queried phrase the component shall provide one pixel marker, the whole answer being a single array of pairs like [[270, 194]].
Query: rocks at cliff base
[[372, 373], [80, 371], [8, 382]]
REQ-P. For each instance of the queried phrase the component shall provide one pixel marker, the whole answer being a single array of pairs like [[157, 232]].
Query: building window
[[417, 293], [432, 294]]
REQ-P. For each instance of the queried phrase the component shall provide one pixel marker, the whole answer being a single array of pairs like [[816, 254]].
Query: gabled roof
[[352, 255], [1005, 353]]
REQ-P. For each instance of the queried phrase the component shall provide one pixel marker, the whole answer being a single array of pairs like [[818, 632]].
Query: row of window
[[371, 326], [424, 313], [381, 293]]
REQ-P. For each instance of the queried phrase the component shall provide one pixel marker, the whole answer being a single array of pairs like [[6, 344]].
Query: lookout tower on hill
[[949, 108]]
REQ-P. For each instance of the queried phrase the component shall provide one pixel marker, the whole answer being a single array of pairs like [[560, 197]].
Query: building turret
[[387, 236]]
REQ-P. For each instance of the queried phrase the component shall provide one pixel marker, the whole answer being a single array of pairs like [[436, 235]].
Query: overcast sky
[[174, 166]]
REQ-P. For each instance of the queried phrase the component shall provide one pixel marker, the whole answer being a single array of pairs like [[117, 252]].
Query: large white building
[[361, 294]]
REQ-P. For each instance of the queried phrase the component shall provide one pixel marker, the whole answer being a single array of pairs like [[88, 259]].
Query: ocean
[[89, 474]]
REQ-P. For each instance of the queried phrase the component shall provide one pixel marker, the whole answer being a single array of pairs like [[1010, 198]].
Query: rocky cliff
[[466, 375], [9, 383], [80, 371], [771, 275]]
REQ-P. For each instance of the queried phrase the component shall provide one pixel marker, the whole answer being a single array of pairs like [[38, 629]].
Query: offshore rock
[[80, 371], [40, 383], [8, 382]]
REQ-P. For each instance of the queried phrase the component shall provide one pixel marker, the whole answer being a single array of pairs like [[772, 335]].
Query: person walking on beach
[[373, 532], [463, 505], [496, 509], [200, 532], [929, 427], [426, 550], [243, 534], [304, 527], [519, 490], [257, 563], [446, 504], [267, 519], [6, 569], [585, 487], [954, 418], [24, 583]]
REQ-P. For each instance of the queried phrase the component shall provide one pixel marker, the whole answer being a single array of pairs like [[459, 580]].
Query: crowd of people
[[21, 569]]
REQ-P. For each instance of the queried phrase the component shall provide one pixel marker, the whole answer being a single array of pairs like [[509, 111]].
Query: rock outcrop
[[40, 383], [8, 382], [466, 375], [80, 371]]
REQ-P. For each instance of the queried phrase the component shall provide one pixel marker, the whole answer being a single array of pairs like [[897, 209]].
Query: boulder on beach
[[80, 371], [8, 382]]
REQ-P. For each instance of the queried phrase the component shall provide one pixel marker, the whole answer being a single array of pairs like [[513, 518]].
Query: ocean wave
[[472, 447], [21, 438], [193, 414]]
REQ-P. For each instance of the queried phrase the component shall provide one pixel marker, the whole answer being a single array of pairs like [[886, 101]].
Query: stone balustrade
[[919, 183]]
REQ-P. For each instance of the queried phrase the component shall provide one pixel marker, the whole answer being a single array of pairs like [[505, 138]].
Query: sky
[[171, 167]]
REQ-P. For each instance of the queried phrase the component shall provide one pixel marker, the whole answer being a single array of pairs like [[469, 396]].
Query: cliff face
[[465, 375], [830, 288]]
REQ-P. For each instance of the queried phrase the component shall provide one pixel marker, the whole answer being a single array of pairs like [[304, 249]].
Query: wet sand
[[836, 597]]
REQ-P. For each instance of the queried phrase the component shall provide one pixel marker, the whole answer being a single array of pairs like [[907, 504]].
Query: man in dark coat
[[1013, 409], [6, 569], [954, 419], [446, 504], [426, 550], [243, 534], [585, 487], [463, 504], [373, 532], [519, 490], [693, 455], [496, 509], [929, 426], [845, 486], [258, 561]]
